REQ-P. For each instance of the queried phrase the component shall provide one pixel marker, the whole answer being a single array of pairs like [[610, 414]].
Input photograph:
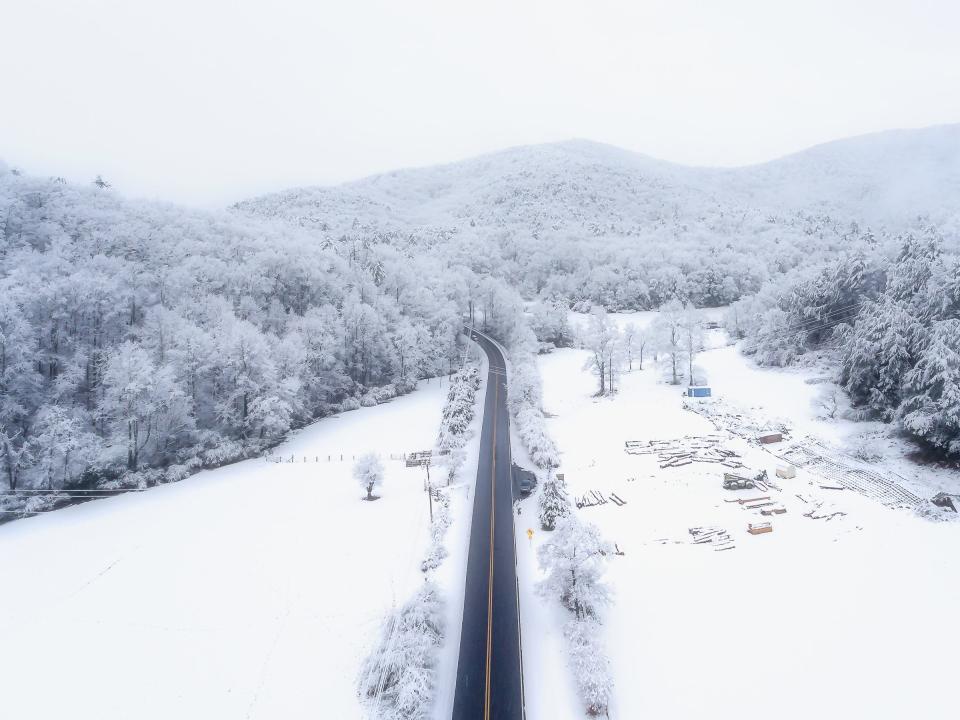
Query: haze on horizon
[[208, 104]]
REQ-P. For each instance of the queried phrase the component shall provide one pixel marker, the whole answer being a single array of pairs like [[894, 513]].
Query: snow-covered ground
[[252, 591], [848, 617]]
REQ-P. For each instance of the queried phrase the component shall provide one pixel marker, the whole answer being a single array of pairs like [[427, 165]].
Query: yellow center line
[[493, 513]]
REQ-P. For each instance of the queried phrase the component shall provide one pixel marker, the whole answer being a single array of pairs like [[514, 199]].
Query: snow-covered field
[[252, 591], [841, 618]]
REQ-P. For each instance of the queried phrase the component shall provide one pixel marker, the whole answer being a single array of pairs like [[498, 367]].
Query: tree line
[[888, 313]]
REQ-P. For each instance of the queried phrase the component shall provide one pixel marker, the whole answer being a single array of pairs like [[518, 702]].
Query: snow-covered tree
[[63, 448], [634, 342], [670, 337], [368, 471], [573, 558], [399, 675], [602, 340], [692, 329], [142, 403], [553, 502], [589, 664], [931, 410]]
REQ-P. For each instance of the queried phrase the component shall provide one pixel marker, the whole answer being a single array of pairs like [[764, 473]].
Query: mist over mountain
[[586, 188]]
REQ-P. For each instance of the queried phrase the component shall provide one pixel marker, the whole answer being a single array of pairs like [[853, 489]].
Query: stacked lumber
[[717, 537], [591, 499], [684, 451]]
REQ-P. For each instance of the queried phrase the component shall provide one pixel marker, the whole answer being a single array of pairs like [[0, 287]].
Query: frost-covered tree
[[931, 410], [692, 332], [826, 401], [16, 455], [368, 471], [634, 342], [573, 559], [669, 334], [62, 447], [602, 339], [142, 404], [399, 675], [553, 502], [589, 664]]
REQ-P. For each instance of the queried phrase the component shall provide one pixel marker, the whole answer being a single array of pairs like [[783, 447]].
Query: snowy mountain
[[592, 189]]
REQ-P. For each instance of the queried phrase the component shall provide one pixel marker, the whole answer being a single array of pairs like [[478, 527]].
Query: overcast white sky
[[209, 101]]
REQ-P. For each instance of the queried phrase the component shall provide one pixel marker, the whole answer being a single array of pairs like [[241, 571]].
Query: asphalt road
[[490, 672]]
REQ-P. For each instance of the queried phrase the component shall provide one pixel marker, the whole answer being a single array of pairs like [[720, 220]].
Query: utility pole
[[429, 490]]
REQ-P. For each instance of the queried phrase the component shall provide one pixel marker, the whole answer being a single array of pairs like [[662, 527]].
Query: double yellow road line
[[493, 517]]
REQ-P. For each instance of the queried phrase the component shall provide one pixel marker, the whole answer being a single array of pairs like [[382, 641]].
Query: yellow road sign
[[529, 534]]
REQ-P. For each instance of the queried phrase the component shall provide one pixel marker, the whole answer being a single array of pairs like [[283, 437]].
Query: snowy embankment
[[848, 617], [252, 591]]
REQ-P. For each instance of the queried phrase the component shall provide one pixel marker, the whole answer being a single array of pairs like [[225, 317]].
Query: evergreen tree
[[553, 502]]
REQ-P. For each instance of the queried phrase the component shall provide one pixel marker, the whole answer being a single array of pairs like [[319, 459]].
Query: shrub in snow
[[458, 410], [553, 502], [385, 393], [399, 676], [349, 404], [589, 664], [455, 460], [826, 402], [368, 400], [573, 559], [867, 449], [441, 523], [368, 471], [405, 385], [526, 396]]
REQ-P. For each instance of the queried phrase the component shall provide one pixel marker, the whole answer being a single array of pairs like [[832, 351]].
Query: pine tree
[[553, 502], [931, 410]]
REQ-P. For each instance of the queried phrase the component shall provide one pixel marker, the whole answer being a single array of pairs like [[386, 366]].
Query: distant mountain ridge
[[584, 188]]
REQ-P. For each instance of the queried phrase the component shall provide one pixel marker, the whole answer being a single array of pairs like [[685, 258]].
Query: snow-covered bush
[[526, 397], [458, 410], [454, 461], [867, 449], [349, 404], [399, 676], [368, 400], [573, 558], [441, 523], [385, 393], [589, 664], [368, 471]]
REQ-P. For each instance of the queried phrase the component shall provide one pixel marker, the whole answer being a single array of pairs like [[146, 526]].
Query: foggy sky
[[209, 101]]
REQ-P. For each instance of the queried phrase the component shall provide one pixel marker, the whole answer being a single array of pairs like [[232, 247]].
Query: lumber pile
[[591, 499], [685, 451], [717, 537]]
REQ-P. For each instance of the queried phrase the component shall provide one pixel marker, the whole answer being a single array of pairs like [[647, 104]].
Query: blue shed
[[698, 391]]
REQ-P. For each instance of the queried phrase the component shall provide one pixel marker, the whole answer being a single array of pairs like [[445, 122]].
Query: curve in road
[[490, 668]]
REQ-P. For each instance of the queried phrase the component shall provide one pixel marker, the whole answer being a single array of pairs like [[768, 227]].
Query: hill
[[578, 186]]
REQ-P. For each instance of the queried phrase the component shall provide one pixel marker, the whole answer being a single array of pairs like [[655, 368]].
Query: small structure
[[787, 472], [770, 438], [759, 528], [421, 457], [698, 391]]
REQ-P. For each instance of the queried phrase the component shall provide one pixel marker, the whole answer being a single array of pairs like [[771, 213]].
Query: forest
[[140, 341], [886, 313]]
